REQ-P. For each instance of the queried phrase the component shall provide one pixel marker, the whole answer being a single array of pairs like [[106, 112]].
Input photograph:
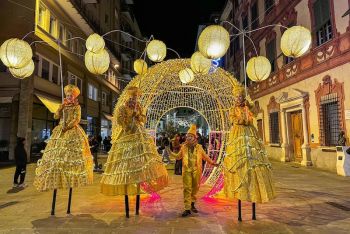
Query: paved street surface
[[309, 201]]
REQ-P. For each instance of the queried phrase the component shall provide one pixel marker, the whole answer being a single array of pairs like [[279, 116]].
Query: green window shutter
[[321, 13]]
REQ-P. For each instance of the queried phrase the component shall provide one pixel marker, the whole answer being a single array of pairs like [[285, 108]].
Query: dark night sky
[[175, 21]]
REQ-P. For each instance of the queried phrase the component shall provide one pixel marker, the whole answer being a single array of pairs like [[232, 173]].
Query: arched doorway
[[210, 95]]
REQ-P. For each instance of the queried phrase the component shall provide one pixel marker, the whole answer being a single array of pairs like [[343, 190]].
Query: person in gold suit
[[133, 158], [66, 162], [192, 155], [247, 171]]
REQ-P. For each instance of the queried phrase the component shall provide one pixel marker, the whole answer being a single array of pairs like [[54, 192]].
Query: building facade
[[303, 104], [26, 104]]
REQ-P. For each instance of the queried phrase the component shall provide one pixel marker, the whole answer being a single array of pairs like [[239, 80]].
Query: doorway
[[297, 137]]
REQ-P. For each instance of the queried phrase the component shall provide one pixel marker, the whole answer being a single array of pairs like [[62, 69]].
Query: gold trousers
[[191, 180]]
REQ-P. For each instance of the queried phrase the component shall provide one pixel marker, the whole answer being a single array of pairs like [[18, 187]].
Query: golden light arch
[[209, 94]]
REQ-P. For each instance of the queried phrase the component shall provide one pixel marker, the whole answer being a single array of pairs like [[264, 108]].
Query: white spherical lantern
[[15, 53], [23, 72], [140, 66], [156, 50], [186, 75], [200, 64], [95, 43], [97, 63], [258, 68], [295, 41], [214, 41]]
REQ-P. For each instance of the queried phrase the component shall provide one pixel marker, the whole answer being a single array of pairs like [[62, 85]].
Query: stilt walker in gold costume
[[191, 154], [133, 158], [67, 161], [248, 175]]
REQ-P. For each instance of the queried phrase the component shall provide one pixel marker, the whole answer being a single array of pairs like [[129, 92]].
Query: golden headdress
[[238, 89], [192, 130], [74, 90], [133, 91]]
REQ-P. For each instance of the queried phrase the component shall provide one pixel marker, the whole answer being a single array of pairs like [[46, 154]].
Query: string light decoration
[[97, 63], [95, 43], [186, 75], [258, 68], [23, 72], [295, 41], [140, 66], [209, 94], [199, 63], [15, 53], [156, 50], [214, 41]]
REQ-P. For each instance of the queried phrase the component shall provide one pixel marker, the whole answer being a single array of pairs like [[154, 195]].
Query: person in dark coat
[[21, 163]]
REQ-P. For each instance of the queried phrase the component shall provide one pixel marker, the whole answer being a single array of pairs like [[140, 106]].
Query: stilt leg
[[53, 202], [69, 200], [253, 207], [127, 206], [137, 204], [239, 211]]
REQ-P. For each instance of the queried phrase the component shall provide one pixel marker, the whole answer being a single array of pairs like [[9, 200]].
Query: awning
[[50, 103], [107, 116]]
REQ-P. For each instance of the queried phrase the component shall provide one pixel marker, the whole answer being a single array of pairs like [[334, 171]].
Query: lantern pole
[[244, 66]]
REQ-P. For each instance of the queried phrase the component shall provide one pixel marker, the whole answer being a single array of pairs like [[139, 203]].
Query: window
[[75, 80], [271, 53], [274, 128], [55, 74], [254, 15], [75, 46], [47, 69], [269, 6], [92, 92], [68, 41], [53, 26], [62, 34], [322, 17], [329, 119], [105, 99], [41, 17], [245, 22]]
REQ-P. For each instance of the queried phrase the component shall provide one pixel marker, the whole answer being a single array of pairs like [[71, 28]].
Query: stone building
[[303, 104], [26, 104]]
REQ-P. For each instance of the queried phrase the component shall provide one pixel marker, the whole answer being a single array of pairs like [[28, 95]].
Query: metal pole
[[69, 200], [53, 202], [137, 204], [244, 67], [239, 211], [254, 216], [127, 206]]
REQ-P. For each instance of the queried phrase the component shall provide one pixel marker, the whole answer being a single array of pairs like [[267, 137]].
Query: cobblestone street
[[308, 201]]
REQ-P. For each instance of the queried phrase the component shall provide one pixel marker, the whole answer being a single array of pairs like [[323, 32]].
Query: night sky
[[181, 18]]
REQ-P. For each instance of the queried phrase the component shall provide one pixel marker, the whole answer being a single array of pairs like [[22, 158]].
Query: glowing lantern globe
[[97, 63], [214, 41], [140, 66], [95, 43], [15, 53], [186, 75], [258, 68], [200, 64], [295, 41], [23, 72], [156, 50]]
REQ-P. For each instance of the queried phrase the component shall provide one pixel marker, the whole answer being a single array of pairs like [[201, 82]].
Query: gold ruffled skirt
[[132, 161], [66, 162], [248, 174]]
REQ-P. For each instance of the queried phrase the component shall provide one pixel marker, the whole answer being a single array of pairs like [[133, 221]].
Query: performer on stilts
[[192, 155], [133, 158], [248, 175], [67, 160]]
